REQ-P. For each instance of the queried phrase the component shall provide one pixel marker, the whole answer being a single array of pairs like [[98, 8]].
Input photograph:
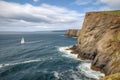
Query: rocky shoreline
[[84, 57], [99, 41]]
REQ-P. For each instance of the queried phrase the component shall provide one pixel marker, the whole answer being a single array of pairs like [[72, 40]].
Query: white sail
[[22, 41]]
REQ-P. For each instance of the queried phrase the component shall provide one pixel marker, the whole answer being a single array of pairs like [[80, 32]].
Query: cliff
[[72, 32], [99, 41]]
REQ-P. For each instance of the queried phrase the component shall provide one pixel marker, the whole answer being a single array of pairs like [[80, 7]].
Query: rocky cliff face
[[99, 40], [72, 32]]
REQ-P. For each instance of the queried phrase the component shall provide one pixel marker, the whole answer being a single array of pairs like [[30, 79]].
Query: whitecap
[[34, 41], [84, 67], [62, 35], [87, 71], [56, 74], [67, 53], [51, 58], [24, 62], [74, 37], [75, 77], [1, 65]]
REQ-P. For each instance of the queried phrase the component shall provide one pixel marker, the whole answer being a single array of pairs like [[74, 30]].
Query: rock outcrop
[[72, 32], [99, 40]]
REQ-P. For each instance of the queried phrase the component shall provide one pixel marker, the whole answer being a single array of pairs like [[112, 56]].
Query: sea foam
[[67, 53], [34, 41], [56, 74], [84, 67], [24, 62]]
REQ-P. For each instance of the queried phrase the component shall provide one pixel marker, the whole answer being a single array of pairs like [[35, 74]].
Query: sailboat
[[22, 40]]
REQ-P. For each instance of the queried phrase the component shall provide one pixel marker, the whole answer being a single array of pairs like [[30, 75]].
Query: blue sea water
[[42, 57]]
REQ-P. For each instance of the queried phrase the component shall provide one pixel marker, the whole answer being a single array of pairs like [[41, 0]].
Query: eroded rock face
[[99, 40], [72, 32]]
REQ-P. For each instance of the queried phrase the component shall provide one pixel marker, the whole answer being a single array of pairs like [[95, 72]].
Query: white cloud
[[35, 0], [102, 8], [97, 5], [27, 15], [82, 2], [87, 2], [115, 4], [112, 3]]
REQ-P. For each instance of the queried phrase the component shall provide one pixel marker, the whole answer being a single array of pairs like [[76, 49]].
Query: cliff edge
[[99, 41]]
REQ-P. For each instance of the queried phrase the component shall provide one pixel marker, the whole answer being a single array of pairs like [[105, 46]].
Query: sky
[[44, 15]]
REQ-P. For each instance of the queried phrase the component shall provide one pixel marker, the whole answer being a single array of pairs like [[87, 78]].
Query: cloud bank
[[44, 17]]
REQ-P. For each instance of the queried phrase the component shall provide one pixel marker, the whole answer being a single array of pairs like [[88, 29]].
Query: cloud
[[109, 3], [86, 2], [82, 2], [43, 17], [35, 0], [97, 5], [112, 3]]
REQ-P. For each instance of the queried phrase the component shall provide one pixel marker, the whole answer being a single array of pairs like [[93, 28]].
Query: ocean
[[42, 57]]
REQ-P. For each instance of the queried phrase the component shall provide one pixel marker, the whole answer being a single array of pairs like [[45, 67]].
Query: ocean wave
[[34, 41], [62, 35], [75, 77], [85, 69], [70, 74], [24, 62], [74, 37], [56, 74], [67, 53]]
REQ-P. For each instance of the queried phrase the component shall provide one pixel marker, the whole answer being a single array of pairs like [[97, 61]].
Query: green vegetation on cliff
[[115, 12], [112, 77], [116, 37]]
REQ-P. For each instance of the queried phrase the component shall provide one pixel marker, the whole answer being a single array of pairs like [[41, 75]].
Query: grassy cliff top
[[112, 77], [115, 12]]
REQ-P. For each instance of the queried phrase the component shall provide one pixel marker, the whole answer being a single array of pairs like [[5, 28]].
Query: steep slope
[[99, 40]]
